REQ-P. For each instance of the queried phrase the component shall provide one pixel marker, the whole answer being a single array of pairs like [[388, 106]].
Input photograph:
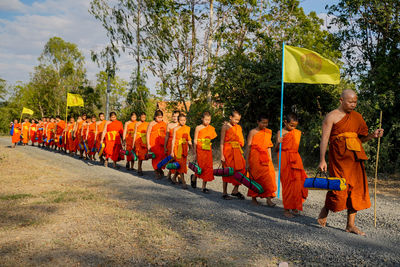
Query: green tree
[[118, 91]]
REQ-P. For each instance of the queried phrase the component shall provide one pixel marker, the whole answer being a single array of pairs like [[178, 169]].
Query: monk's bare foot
[[323, 215], [354, 230], [295, 212], [270, 203], [105, 163], [287, 214], [255, 202]]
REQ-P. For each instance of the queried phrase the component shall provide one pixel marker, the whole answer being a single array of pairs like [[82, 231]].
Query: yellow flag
[[305, 66], [27, 111], [74, 100]]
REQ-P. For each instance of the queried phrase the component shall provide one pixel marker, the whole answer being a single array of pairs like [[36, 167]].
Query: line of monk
[[343, 129]]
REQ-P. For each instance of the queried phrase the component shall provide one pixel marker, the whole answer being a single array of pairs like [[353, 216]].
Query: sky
[[26, 26]]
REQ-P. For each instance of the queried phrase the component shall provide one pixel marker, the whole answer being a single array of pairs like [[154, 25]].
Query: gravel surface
[[254, 230]]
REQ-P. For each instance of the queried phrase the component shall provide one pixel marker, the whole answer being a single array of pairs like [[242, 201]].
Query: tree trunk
[[209, 47]]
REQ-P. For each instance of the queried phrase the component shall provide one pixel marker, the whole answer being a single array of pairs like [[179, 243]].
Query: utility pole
[[108, 95]]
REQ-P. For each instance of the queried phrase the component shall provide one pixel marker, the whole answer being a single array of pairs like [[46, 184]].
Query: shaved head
[[348, 100], [348, 93]]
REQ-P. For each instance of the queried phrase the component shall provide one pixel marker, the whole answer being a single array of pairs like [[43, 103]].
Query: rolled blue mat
[[173, 166], [331, 183], [164, 162]]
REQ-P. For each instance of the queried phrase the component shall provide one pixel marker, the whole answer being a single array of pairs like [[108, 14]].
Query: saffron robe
[[32, 133], [16, 137], [113, 138], [100, 129], [346, 160], [39, 132], [59, 132], [25, 132], [50, 133], [140, 140], [157, 138], [181, 147], [91, 138], [129, 139], [78, 138], [292, 172], [84, 131], [204, 152], [233, 152], [71, 144]]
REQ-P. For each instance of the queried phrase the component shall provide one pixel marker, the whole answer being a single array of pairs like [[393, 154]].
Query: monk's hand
[[322, 166], [222, 159], [378, 133], [279, 140]]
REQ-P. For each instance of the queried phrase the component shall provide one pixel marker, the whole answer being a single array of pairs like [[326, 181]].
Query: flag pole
[[376, 168], [280, 127], [21, 116]]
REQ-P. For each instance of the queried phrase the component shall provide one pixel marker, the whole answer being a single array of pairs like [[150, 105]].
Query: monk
[[85, 126], [78, 134], [155, 141], [140, 143], [45, 122], [292, 171], [60, 126], [50, 132], [203, 135], [346, 130], [100, 125], [40, 132], [181, 143], [71, 144], [25, 131], [168, 137], [112, 135], [16, 133], [259, 164], [32, 132], [232, 141], [91, 138], [128, 137]]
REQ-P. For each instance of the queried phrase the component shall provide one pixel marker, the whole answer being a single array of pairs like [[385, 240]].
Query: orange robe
[[140, 141], [50, 133], [233, 153], [59, 132], [129, 139], [181, 147], [40, 133], [346, 160], [25, 132], [32, 133], [71, 144], [91, 139], [84, 130], [292, 172], [169, 145], [204, 153], [157, 138], [100, 129], [16, 137], [78, 138], [261, 168], [113, 138]]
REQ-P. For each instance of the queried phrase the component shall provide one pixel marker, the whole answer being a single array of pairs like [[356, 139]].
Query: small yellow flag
[[27, 111], [74, 100], [305, 66]]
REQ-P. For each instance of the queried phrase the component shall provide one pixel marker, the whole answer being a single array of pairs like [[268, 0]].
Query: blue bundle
[[60, 141], [12, 130], [173, 166], [164, 162], [326, 183]]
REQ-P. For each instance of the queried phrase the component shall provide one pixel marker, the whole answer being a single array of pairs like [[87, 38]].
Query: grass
[[15, 196]]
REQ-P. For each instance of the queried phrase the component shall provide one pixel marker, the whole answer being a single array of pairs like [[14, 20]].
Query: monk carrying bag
[[323, 182], [249, 183], [228, 171], [164, 162], [195, 168]]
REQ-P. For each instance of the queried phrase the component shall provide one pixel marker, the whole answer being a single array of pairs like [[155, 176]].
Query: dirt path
[[59, 210]]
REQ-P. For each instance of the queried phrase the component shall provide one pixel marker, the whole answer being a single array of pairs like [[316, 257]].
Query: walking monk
[[60, 126], [16, 133], [39, 132], [100, 125], [346, 130], [91, 138], [71, 144], [112, 134], [50, 132], [232, 141], [25, 131], [155, 141], [78, 134], [128, 137], [203, 135], [32, 132], [181, 142], [292, 170], [259, 161], [168, 137], [140, 143]]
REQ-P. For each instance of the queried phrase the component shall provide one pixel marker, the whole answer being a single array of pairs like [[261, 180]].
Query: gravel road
[[254, 230]]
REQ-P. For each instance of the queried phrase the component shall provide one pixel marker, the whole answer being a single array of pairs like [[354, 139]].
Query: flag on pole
[[305, 66], [74, 100], [27, 111]]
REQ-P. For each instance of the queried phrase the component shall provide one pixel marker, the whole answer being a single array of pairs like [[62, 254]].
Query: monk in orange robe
[[232, 142], [112, 135], [50, 132], [60, 126], [346, 130], [78, 134], [91, 138], [25, 131], [32, 132], [155, 141], [181, 141], [71, 144], [292, 170], [168, 137], [203, 135], [140, 143], [259, 161], [128, 137], [84, 131], [100, 125], [39, 132], [16, 137]]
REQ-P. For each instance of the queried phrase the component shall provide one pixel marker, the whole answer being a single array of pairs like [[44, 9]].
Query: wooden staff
[[376, 168]]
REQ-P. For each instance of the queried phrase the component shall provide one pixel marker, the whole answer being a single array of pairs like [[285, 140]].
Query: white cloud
[[12, 5]]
